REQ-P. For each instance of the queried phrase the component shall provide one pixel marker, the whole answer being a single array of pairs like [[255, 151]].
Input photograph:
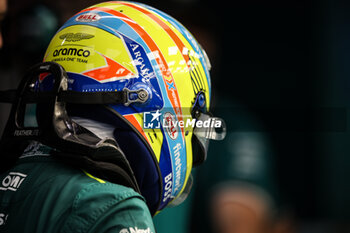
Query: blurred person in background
[[246, 208], [241, 208], [237, 191]]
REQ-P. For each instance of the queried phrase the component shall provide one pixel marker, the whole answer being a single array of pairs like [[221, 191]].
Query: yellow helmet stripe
[[163, 66]]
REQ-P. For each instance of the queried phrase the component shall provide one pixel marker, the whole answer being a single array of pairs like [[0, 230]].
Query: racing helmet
[[163, 123]]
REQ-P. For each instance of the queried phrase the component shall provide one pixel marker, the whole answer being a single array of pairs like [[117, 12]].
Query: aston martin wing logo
[[73, 37]]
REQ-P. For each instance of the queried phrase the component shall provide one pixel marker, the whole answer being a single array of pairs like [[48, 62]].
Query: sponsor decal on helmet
[[140, 59], [70, 55], [88, 17], [178, 168], [73, 37], [174, 179], [168, 187], [71, 52], [169, 123], [151, 120]]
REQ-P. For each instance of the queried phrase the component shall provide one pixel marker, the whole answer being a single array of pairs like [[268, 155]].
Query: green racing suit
[[42, 195]]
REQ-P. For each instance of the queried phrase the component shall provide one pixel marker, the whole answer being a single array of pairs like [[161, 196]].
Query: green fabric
[[40, 194], [175, 219]]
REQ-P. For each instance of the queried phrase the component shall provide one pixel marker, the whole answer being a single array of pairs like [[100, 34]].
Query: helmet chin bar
[[57, 130]]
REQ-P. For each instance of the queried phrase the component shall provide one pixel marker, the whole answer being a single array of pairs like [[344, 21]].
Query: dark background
[[285, 62]]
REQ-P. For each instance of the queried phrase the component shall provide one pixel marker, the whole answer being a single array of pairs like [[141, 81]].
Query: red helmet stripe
[[168, 30], [163, 66]]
